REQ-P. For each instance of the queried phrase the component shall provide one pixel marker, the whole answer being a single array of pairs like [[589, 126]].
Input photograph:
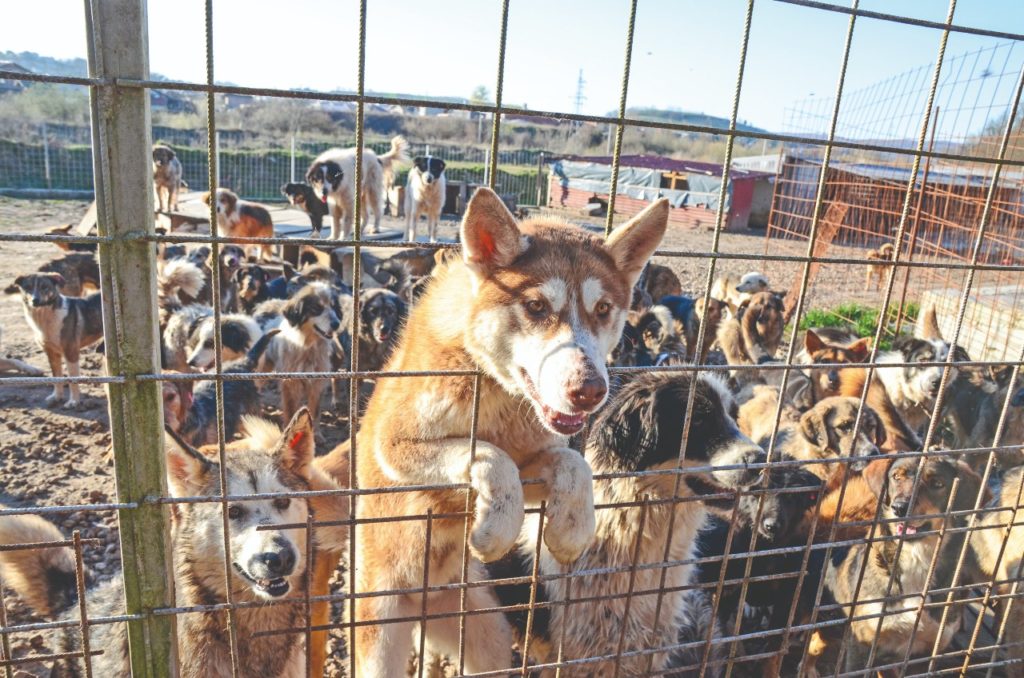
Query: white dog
[[425, 193], [734, 293], [332, 175]]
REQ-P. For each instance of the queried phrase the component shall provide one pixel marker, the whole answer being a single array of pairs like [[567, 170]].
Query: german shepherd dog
[[237, 218], [266, 564], [916, 524], [825, 353], [754, 335], [304, 198], [640, 430], [305, 344], [536, 307], [166, 177], [62, 326]]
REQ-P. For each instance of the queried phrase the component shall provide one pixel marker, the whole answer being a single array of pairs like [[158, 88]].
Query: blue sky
[[685, 53]]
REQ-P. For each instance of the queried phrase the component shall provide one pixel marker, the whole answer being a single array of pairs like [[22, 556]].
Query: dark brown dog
[[660, 281]]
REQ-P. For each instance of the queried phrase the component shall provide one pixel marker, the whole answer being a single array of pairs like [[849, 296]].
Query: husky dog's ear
[[632, 244], [490, 237], [927, 326], [187, 467], [297, 447], [812, 342]]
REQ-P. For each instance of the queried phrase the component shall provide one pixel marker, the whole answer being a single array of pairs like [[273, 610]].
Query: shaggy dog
[[640, 430], [237, 218], [381, 314], [332, 175], [188, 342], [536, 308], [688, 314], [754, 335]]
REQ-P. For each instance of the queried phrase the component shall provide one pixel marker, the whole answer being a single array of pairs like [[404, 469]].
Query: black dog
[[381, 313], [304, 197], [255, 286]]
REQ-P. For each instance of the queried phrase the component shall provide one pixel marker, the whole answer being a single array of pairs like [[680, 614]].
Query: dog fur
[[734, 291], [688, 315], [237, 218], [878, 558], [877, 271], [80, 270], [304, 198], [640, 430], [332, 175], [166, 177], [70, 246], [188, 342], [381, 315], [824, 359], [426, 190], [660, 281], [62, 326], [268, 564], [754, 335], [539, 327]]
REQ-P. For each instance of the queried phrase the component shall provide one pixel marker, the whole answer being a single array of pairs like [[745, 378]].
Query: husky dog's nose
[[274, 563], [901, 507], [589, 394]]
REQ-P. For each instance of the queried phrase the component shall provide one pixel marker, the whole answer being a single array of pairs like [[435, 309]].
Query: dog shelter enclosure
[[953, 210]]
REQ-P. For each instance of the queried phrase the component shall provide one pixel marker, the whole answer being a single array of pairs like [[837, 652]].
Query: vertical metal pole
[[540, 178], [216, 147], [118, 48], [293, 160], [46, 157]]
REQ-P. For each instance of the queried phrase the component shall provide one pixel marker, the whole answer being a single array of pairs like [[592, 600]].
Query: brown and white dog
[[237, 218], [754, 335], [877, 271], [333, 175], [62, 326], [166, 177], [536, 307]]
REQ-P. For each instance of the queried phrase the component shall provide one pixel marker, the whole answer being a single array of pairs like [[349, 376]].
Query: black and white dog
[[304, 198], [425, 193]]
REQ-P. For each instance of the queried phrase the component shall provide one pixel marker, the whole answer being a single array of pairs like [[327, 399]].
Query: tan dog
[[166, 177], [237, 218], [753, 337], [877, 271], [825, 355], [536, 308]]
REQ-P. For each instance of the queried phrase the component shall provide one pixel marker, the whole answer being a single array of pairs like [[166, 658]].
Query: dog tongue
[[904, 528]]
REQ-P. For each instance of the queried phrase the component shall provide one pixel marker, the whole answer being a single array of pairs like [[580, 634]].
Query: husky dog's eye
[[603, 308], [235, 512], [282, 503], [536, 308]]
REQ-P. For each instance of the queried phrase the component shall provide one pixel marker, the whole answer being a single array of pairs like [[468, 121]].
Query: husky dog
[[640, 430], [166, 177], [333, 175], [62, 326], [536, 307], [266, 564], [426, 190]]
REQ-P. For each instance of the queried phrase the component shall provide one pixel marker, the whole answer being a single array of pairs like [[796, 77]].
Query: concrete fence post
[[122, 167]]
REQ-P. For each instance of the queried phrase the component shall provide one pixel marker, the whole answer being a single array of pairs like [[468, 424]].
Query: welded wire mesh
[[946, 197]]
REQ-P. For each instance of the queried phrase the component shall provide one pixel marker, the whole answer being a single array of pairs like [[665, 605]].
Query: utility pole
[[579, 98]]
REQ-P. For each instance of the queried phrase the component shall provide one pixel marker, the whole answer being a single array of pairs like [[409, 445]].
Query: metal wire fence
[[926, 606]]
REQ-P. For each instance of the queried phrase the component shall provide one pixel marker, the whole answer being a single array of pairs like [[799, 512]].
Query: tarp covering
[[645, 184]]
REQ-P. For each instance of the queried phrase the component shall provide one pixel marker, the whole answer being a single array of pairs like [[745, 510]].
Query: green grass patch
[[861, 320]]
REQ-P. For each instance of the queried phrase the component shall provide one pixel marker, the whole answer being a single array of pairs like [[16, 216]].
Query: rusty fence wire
[[984, 640]]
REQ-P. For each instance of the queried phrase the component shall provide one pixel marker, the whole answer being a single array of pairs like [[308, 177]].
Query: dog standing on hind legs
[[546, 303]]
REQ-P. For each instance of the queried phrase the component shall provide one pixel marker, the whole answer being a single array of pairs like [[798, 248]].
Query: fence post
[[46, 157], [293, 160], [216, 148], [122, 167], [540, 178]]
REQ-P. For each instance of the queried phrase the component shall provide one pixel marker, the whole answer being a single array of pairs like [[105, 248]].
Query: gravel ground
[[53, 457]]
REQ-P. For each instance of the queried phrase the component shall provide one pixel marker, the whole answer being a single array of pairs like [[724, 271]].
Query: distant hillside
[[44, 65], [686, 118]]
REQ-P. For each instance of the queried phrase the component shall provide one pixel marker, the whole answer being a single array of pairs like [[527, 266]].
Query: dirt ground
[[53, 457]]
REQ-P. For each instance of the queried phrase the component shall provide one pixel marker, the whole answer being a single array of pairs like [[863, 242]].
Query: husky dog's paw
[[499, 506], [570, 508]]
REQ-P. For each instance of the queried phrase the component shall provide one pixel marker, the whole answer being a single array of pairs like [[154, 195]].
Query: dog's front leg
[[76, 396], [336, 233], [57, 369], [568, 488]]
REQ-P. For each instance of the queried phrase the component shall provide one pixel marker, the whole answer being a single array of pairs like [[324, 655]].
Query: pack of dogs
[[622, 521]]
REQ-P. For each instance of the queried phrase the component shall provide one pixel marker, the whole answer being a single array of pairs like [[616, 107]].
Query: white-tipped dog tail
[[397, 155], [43, 577], [181, 275]]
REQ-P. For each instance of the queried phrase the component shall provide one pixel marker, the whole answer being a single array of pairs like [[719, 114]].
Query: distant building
[[232, 101], [162, 100], [11, 85]]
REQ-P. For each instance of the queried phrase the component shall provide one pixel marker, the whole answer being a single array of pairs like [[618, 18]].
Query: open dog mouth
[[323, 333], [908, 529], [274, 588], [382, 336], [565, 423]]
